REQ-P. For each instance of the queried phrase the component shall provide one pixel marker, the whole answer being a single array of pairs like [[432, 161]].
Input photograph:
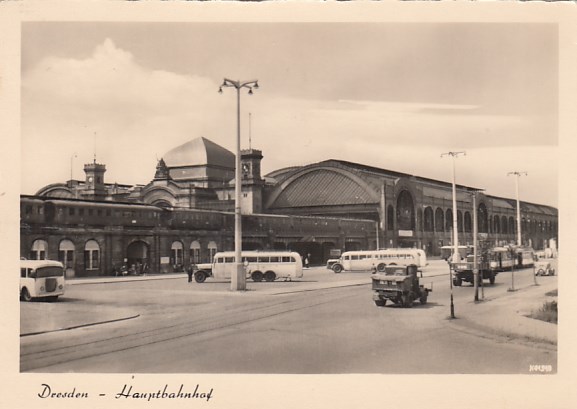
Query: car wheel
[[492, 278], [257, 276], [337, 268], [269, 276], [25, 295], [540, 272], [380, 303], [381, 267], [200, 276], [457, 282]]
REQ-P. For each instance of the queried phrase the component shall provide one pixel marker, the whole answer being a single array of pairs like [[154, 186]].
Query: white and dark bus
[[258, 265], [371, 260]]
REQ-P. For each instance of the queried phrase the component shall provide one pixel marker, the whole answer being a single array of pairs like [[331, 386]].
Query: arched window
[[449, 220], [504, 224], [512, 226], [428, 219], [420, 219], [405, 211], [482, 218], [212, 248], [439, 220], [497, 224], [91, 255], [195, 252], [468, 224], [176, 253], [390, 218], [66, 253], [39, 250], [460, 220]]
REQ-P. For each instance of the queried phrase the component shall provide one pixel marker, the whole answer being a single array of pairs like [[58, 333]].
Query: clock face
[[90, 179], [245, 167]]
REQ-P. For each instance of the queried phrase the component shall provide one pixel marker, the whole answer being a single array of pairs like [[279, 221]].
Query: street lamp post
[[518, 174], [238, 280], [456, 257]]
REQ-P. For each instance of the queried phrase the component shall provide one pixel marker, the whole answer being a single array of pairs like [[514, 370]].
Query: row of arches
[[136, 255], [438, 220]]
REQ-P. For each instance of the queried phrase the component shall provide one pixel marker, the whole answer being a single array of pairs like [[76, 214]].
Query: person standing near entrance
[[307, 260], [189, 273]]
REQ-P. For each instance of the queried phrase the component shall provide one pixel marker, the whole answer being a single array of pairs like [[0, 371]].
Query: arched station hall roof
[[338, 182]]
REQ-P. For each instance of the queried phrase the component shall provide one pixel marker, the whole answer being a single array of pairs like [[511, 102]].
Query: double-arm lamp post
[[238, 280]]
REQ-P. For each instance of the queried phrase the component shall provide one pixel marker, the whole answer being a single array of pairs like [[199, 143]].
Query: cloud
[[129, 115]]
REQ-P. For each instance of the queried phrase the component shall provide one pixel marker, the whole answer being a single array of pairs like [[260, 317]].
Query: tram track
[[53, 351]]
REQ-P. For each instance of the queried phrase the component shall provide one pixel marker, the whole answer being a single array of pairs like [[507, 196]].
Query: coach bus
[[41, 279], [258, 265], [370, 260]]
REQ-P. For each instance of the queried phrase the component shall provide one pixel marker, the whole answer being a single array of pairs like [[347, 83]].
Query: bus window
[[354, 257], [287, 259], [229, 259], [275, 259], [262, 259], [23, 273]]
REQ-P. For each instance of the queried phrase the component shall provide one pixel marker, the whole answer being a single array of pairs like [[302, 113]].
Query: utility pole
[[475, 259], [238, 280], [456, 257]]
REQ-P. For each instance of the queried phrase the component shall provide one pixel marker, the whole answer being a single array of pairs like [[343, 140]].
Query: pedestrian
[[306, 261], [189, 272]]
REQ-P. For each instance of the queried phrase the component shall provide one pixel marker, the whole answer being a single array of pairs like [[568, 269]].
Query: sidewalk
[[507, 316]]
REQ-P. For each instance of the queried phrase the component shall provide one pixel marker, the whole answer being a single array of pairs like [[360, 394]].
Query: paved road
[[276, 328]]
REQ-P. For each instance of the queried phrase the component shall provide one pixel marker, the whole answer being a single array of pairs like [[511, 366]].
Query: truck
[[400, 284]]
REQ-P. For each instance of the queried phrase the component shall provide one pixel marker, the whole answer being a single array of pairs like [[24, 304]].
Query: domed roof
[[199, 151]]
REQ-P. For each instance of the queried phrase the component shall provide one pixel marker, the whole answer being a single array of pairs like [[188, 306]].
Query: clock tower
[[94, 184], [252, 182]]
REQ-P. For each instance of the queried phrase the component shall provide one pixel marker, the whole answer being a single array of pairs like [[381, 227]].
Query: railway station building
[[186, 213]]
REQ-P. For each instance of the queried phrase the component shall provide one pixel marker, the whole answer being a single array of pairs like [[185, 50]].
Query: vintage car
[[543, 268], [400, 284]]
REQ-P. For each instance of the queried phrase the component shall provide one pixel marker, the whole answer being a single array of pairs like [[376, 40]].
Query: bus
[[258, 265], [500, 258], [525, 257], [41, 279], [464, 251], [371, 260]]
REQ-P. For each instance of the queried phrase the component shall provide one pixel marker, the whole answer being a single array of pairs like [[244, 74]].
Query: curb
[[79, 326]]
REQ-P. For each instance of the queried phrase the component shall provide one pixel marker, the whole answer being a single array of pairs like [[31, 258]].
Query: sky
[[390, 95]]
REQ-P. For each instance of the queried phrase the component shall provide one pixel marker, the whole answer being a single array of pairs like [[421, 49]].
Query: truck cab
[[400, 284]]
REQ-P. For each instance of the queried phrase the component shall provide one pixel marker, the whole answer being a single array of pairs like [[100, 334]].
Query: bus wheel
[[337, 268], [269, 276], [199, 276], [381, 267], [256, 276], [380, 302], [25, 295]]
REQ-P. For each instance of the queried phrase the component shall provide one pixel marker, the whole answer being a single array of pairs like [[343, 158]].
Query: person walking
[[189, 273]]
